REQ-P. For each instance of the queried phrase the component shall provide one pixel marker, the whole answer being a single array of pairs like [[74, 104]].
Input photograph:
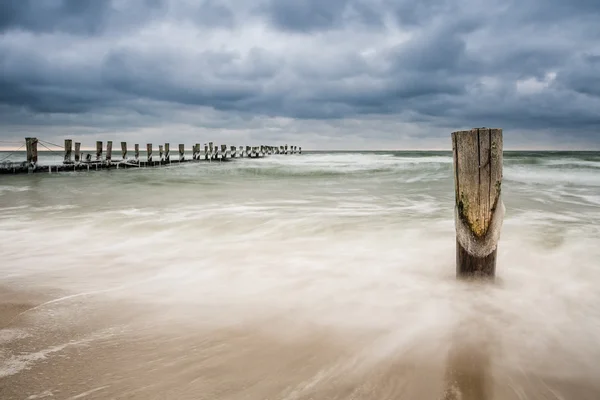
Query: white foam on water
[[542, 176], [19, 362], [13, 189]]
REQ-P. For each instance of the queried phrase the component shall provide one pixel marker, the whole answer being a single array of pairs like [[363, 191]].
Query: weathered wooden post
[[479, 209], [124, 150], [149, 152], [181, 151], [299, 150], [98, 151], [77, 152], [206, 155], [136, 152], [241, 150], [167, 153], [160, 153], [68, 148], [196, 151], [233, 151], [31, 146], [223, 151], [108, 151]]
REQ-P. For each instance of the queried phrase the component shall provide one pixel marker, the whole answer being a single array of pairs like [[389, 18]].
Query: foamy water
[[323, 275]]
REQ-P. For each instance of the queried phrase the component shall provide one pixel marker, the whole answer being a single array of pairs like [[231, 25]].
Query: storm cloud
[[331, 74]]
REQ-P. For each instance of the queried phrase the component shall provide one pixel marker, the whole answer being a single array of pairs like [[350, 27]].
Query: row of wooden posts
[[211, 152], [103, 160], [477, 155]]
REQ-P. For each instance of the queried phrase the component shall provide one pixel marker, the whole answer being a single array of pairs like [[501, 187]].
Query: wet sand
[[100, 349]]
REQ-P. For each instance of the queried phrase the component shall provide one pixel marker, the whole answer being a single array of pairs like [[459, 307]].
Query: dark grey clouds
[[336, 68]]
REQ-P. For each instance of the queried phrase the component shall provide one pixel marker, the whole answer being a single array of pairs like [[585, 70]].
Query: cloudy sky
[[331, 74]]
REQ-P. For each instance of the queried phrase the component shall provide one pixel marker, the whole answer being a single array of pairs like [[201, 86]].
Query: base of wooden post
[[470, 266]]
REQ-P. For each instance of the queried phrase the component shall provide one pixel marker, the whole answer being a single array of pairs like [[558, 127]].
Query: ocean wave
[[14, 189], [547, 176]]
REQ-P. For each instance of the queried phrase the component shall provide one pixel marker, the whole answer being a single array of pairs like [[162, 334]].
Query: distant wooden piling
[[149, 152], [181, 152], [77, 152], [68, 149], [299, 150], [136, 152], [160, 153], [206, 155], [31, 147], [108, 151], [124, 150], [233, 151], [98, 150], [479, 210], [167, 153], [223, 151]]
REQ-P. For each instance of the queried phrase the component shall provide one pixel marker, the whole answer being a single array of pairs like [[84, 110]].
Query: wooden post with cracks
[[479, 209]]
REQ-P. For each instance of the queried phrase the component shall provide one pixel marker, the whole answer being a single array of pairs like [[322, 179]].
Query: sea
[[322, 275]]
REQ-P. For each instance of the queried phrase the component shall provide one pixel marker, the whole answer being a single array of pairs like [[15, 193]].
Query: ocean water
[[313, 276]]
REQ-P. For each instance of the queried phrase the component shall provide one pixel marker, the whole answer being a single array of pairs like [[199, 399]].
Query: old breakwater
[[77, 160]]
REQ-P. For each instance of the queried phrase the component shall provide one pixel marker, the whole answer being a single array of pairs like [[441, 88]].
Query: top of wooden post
[[477, 175]]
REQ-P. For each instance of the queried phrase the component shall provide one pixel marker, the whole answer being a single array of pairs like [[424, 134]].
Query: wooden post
[[68, 149], [181, 151], [223, 151], [232, 151], [31, 146], [160, 153], [108, 151], [77, 152], [98, 151], [210, 148], [149, 151], [479, 209], [124, 150], [299, 150], [167, 153], [205, 151], [136, 152]]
